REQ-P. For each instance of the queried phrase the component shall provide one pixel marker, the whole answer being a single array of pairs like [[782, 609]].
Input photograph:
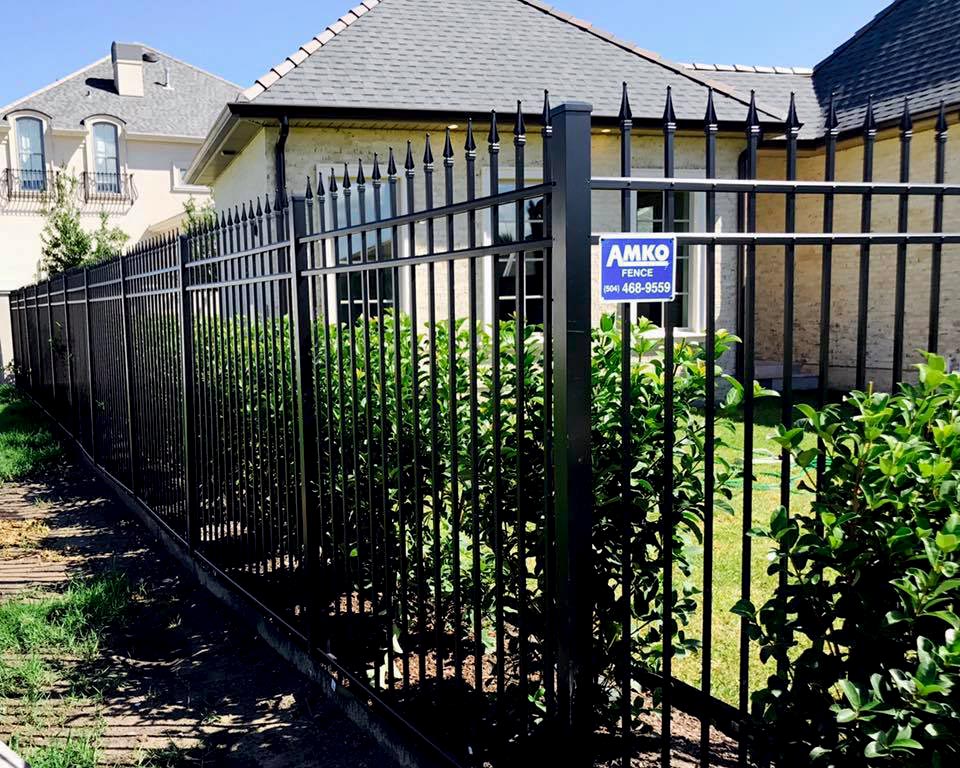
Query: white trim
[[178, 187], [170, 138]]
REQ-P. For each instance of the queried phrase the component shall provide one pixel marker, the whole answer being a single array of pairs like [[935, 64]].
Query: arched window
[[33, 175], [106, 156]]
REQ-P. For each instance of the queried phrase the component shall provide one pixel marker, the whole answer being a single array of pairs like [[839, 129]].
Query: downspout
[[281, 158]]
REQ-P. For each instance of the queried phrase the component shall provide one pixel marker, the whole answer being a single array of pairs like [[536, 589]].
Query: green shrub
[[865, 629], [355, 386]]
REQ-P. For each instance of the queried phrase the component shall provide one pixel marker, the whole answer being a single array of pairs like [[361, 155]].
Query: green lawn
[[727, 556], [25, 444], [42, 637]]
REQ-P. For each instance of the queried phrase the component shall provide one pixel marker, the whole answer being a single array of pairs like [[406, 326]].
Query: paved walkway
[[184, 683]]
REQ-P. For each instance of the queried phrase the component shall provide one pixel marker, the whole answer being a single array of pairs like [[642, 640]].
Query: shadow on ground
[[182, 682]]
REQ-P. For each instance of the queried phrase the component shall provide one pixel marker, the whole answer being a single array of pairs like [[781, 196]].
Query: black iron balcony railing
[[25, 184], [108, 187]]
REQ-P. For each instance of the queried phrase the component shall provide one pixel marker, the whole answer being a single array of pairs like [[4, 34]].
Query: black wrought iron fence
[[386, 411]]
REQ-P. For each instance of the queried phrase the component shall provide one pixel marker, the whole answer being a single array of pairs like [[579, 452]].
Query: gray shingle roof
[[464, 55], [774, 88], [910, 49], [188, 108]]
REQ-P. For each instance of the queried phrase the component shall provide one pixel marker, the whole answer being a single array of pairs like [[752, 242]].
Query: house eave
[[241, 121]]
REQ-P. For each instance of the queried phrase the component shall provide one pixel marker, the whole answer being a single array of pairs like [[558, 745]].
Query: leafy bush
[[866, 627], [65, 244], [501, 529]]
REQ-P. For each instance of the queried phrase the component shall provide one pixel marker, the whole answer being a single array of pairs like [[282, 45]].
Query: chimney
[[127, 69]]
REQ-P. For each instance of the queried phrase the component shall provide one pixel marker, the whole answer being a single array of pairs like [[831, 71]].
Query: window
[[106, 157], [32, 161], [650, 219], [533, 265]]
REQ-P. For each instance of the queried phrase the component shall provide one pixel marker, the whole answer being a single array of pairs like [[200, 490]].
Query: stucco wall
[[150, 163], [311, 149], [21, 221], [246, 177], [844, 304]]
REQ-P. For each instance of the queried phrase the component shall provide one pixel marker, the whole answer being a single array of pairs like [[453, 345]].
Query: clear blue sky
[[241, 39]]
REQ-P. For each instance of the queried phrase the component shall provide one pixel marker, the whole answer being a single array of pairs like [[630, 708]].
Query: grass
[[25, 445], [77, 750], [727, 557], [42, 634], [29, 678], [70, 622]]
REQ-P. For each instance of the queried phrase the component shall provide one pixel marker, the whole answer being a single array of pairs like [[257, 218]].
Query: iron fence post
[[91, 400], [53, 358], [573, 481], [125, 330], [300, 314], [69, 346], [187, 402]]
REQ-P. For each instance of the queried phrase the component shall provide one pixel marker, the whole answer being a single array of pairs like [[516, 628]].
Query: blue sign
[[638, 268]]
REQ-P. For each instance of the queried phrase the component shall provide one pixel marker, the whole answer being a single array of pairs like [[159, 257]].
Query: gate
[[474, 512]]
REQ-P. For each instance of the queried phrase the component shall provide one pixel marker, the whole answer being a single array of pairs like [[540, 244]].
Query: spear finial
[[471, 144], [710, 118], [493, 138], [753, 119], [626, 114], [793, 122], [519, 126]]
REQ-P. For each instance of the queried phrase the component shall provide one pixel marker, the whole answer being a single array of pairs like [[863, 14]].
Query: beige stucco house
[[127, 128], [391, 70]]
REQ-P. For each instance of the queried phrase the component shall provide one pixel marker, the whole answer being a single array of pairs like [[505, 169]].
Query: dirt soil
[[183, 683]]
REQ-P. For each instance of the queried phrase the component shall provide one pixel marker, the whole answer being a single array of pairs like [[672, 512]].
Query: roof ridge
[[313, 45], [749, 68], [9, 107], [880, 15]]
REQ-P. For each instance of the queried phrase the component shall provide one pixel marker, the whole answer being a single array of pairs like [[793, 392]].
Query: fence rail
[[411, 443]]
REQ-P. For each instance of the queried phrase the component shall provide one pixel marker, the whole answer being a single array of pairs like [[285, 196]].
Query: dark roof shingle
[[187, 108], [460, 55], [908, 50], [774, 88]]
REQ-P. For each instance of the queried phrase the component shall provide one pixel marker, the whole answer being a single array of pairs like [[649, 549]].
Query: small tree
[[108, 241], [64, 243], [199, 215]]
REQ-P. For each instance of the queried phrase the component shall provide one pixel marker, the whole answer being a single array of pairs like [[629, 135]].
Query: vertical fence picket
[[304, 407], [706, 674], [667, 520], [866, 223], [68, 351], [789, 279], [903, 213], [91, 385], [127, 374], [749, 346], [188, 412], [626, 460], [936, 256]]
